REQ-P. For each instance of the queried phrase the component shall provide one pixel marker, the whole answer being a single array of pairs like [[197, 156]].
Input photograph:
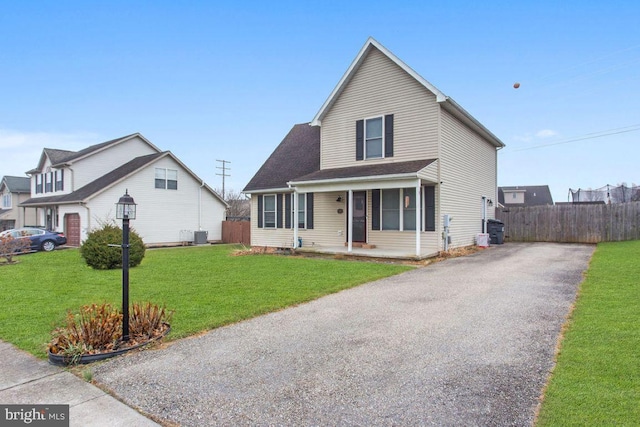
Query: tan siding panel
[[468, 172], [381, 87]]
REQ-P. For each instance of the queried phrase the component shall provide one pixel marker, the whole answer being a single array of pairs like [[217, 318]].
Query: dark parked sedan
[[41, 239]]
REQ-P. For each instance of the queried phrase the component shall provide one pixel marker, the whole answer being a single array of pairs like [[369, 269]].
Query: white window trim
[[402, 209], [166, 178], [7, 197], [275, 211], [296, 212], [364, 137]]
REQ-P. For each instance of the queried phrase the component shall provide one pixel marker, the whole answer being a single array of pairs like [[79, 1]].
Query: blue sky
[[214, 80]]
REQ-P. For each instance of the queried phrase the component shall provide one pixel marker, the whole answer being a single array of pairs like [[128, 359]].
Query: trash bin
[[495, 228]]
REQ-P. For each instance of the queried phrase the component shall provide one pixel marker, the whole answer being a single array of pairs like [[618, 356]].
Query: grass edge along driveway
[[207, 286], [596, 380]]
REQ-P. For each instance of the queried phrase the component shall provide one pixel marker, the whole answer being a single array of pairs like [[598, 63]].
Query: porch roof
[[370, 170]]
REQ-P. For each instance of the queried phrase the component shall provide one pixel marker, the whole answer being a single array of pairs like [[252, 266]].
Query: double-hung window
[[6, 201], [269, 211], [398, 209], [302, 211], [166, 179], [373, 138]]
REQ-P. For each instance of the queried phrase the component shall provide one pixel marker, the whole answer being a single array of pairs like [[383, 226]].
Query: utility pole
[[223, 174]]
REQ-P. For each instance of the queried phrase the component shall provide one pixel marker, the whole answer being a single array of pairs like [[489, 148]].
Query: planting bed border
[[62, 360]]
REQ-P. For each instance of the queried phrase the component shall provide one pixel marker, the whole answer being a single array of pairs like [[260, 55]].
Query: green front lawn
[[206, 286], [597, 378]]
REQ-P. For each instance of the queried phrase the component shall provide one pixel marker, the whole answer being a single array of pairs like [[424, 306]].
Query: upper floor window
[[167, 178], [374, 137], [59, 180], [6, 201], [39, 184], [48, 182]]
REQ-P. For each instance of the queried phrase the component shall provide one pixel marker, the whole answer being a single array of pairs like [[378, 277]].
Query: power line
[[223, 174], [592, 135]]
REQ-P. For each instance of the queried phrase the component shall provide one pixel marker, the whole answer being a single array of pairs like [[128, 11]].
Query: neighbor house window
[[48, 183], [373, 138], [6, 201], [269, 211], [166, 179], [60, 180], [38, 183]]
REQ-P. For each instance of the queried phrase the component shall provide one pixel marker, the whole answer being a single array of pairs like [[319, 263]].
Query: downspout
[[418, 217], [350, 223], [200, 207]]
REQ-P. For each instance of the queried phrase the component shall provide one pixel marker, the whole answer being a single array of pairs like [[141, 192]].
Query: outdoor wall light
[[339, 199]]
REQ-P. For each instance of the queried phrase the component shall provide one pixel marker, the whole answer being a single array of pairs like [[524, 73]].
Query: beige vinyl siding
[[378, 88], [468, 172], [329, 226], [271, 237]]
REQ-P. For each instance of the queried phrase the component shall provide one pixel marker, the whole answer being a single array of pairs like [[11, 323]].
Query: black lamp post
[[125, 210]]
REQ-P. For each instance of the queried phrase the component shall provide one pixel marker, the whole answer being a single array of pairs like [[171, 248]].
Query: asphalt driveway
[[468, 341]]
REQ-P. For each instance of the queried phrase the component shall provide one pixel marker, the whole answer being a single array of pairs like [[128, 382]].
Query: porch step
[[361, 245]]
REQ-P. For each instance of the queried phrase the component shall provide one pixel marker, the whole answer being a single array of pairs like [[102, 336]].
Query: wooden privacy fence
[[572, 223], [236, 232]]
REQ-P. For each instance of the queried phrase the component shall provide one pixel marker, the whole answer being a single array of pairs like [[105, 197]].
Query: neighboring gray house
[[75, 192], [15, 190], [525, 195], [376, 170]]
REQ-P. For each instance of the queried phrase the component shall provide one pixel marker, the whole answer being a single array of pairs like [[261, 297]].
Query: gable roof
[[534, 195], [65, 157], [16, 184], [297, 155], [109, 179], [446, 102]]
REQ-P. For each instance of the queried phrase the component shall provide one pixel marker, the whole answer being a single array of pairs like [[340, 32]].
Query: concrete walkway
[[468, 341], [27, 380]]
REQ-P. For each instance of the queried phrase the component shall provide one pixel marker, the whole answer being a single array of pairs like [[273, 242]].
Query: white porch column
[[350, 222], [294, 200], [418, 217]]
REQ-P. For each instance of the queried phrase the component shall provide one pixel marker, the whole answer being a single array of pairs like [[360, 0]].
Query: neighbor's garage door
[[72, 229]]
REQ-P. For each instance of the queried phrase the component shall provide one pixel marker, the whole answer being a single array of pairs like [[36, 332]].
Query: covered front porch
[[380, 210], [377, 252]]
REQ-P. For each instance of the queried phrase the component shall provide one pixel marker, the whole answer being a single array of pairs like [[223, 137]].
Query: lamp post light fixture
[[125, 210]]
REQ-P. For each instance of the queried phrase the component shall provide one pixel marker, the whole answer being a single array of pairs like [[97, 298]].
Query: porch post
[[350, 222], [294, 200], [418, 217]]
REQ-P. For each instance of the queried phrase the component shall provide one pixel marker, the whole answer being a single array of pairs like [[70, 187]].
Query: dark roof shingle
[[377, 169], [297, 155]]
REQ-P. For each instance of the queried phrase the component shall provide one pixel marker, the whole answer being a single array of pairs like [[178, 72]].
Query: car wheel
[[48, 245]]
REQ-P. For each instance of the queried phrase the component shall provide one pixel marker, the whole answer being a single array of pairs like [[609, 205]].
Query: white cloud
[[20, 151], [546, 133]]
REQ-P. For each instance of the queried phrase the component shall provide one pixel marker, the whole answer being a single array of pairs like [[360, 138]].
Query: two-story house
[[76, 192], [15, 190], [389, 166]]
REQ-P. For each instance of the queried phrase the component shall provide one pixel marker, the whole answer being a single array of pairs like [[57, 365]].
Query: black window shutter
[[375, 209], [260, 211], [279, 208], [360, 140], [430, 208], [309, 211], [388, 135], [287, 210]]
